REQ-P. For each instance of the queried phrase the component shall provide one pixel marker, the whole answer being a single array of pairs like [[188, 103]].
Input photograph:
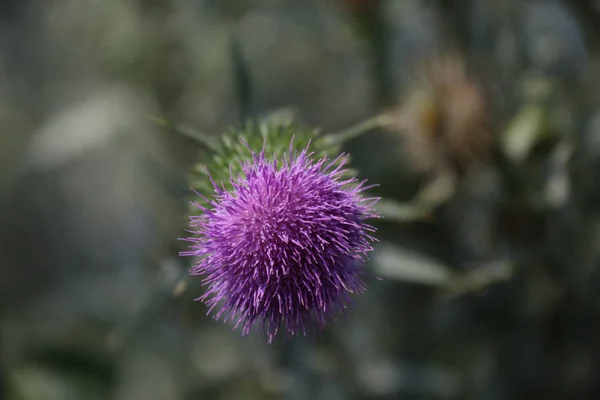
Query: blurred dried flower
[[443, 120], [285, 245]]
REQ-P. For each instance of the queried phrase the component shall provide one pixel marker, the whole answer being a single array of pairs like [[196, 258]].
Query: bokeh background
[[479, 119]]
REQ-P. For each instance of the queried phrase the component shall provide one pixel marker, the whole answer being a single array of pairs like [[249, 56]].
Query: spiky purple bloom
[[285, 247]]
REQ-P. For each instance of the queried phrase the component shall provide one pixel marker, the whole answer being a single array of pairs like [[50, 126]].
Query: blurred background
[[479, 119]]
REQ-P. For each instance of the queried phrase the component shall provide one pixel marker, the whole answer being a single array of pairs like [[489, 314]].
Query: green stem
[[358, 129], [200, 137]]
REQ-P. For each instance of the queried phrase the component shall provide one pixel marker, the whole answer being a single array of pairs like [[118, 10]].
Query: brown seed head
[[443, 120]]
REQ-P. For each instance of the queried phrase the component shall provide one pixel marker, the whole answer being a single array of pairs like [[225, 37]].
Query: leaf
[[437, 191], [406, 265], [525, 130], [478, 279], [202, 138], [400, 212]]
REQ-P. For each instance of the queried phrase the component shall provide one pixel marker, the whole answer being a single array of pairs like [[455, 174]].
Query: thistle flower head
[[283, 246]]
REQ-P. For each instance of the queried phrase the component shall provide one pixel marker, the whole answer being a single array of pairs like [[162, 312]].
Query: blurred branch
[[242, 82], [478, 279], [202, 138], [433, 194], [357, 130]]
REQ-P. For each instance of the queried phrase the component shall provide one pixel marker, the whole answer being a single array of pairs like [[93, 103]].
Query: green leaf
[[405, 265], [204, 139], [400, 212], [480, 278], [526, 129]]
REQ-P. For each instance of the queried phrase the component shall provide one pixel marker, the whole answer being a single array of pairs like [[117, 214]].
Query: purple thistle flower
[[285, 246]]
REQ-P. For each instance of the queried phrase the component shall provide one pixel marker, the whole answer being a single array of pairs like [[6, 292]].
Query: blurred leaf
[[558, 184], [202, 138], [480, 278], [431, 195], [408, 266], [392, 210], [524, 131], [33, 381], [438, 191]]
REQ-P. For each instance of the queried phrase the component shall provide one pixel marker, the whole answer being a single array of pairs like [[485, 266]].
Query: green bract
[[230, 152]]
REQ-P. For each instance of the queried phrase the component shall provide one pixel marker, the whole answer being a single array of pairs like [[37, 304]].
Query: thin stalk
[[202, 138], [357, 130]]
